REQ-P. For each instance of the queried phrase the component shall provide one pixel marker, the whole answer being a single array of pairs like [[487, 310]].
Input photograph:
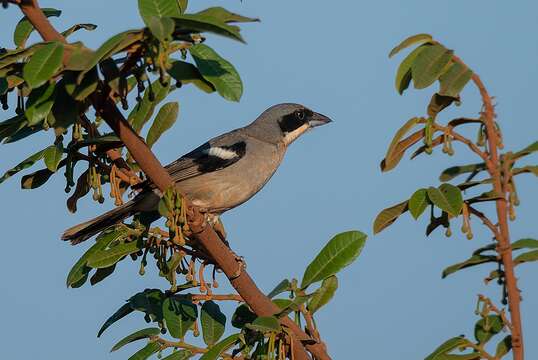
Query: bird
[[222, 173]]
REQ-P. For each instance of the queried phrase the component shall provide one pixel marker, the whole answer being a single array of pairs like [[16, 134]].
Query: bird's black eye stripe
[[292, 121]]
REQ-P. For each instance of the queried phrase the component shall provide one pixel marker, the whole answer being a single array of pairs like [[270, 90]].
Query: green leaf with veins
[[213, 322], [137, 335], [146, 351], [472, 261], [217, 349], [218, 71], [447, 198], [389, 215], [158, 8], [26, 163], [165, 119], [324, 294], [429, 65], [43, 64], [39, 103], [179, 315], [418, 203], [224, 15], [339, 252]]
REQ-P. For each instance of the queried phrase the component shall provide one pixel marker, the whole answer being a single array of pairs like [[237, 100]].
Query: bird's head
[[283, 123]]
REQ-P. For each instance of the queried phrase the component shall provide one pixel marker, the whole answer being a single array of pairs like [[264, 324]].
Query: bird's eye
[[299, 114]]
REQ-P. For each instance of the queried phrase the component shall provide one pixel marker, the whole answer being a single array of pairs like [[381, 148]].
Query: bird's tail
[[86, 230]]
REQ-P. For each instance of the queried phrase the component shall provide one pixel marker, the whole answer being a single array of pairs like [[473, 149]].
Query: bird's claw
[[242, 265]]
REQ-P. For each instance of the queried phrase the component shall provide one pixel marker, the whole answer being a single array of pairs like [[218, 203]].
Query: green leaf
[[65, 109], [265, 324], [418, 203], [527, 257], [179, 355], [284, 285], [24, 27], [525, 243], [39, 103], [123, 311], [166, 117], [218, 72], [9, 127], [454, 171], [220, 347], [106, 258], [137, 335], [79, 58], [213, 322], [447, 198], [454, 79], [224, 15], [187, 73], [288, 307], [102, 274], [404, 75], [324, 294], [81, 269], [150, 302], [115, 44], [43, 64], [26, 163], [446, 347], [242, 316], [339, 252], [158, 8], [35, 179], [389, 215], [472, 261], [161, 28], [282, 303], [146, 351], [486, 328], [190, 22], [77, 27], [179, 315], [53, 156], [393, 156], [503, 347], [532, 148], [415, 39], [429, 65], [144, 110]]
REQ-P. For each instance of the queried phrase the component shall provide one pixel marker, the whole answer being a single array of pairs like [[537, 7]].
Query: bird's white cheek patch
[[222, 153], [291, 136]]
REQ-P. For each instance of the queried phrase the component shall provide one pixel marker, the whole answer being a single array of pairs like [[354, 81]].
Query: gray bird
[[224, 172]]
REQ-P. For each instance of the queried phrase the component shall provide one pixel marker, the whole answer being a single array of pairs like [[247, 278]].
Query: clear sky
[[331, 56]]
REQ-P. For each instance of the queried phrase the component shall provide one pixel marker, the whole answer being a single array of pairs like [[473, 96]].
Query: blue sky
[[332, 57]]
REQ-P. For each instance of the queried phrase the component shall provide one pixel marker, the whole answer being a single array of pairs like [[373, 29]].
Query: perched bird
[[224, 172]]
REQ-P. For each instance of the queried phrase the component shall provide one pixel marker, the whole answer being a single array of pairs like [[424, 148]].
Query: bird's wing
[[214, 155]]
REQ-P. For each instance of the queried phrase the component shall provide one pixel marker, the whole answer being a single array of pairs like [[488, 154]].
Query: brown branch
[[485, 220], [505, 249], [458, 137], [205, 234]]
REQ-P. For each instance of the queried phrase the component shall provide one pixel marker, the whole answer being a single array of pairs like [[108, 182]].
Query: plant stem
[[503, 235]]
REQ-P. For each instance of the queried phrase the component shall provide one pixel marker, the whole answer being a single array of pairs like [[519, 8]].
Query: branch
[[203, 233], [494, 169]]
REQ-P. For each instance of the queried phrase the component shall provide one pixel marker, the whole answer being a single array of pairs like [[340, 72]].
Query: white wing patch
[[222, 153]]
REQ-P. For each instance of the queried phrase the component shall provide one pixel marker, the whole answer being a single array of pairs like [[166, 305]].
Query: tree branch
[[503, 238], [203, 233]]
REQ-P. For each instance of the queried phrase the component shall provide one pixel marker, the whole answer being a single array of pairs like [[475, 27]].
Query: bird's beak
[[318, 119]]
